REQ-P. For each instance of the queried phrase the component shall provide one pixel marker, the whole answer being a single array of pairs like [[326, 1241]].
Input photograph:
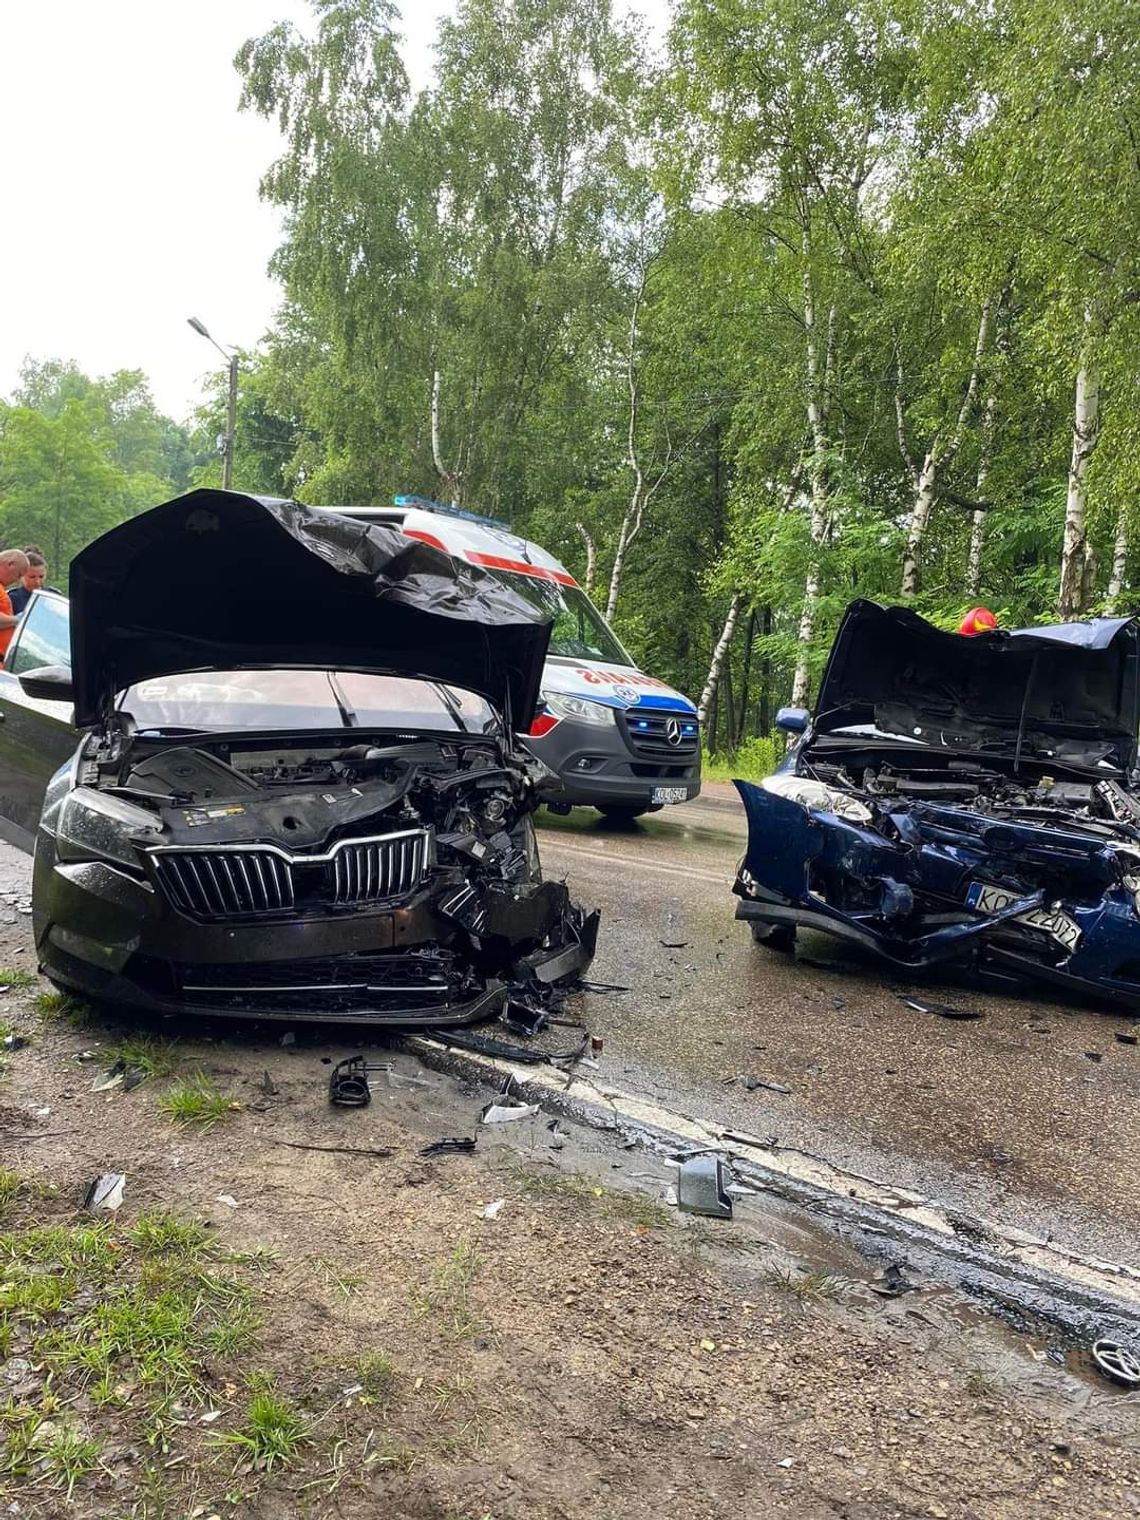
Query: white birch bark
[[449, 478], [943, 448], [1086, 425], [818, 388], [978, 524], [712, 680], [1119, 559], [591, 557]]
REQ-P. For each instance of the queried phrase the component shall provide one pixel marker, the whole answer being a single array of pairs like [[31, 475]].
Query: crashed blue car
[[965, 802]]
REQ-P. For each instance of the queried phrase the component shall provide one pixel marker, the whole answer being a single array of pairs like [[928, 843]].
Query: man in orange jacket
[[977, 620], [13, 564]]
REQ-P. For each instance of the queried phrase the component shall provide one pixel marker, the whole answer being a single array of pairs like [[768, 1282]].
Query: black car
[[297, 792], [967, 801]]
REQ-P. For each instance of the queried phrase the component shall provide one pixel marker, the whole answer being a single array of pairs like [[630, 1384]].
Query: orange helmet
[[978, 620]]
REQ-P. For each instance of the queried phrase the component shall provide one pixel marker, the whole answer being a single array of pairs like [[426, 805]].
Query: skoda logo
[[673, 731]]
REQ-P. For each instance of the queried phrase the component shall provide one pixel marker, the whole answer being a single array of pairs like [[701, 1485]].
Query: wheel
[[619, 812], [781, 937]]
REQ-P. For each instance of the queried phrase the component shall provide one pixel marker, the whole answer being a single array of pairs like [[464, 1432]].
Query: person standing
[[32, 579], [13, 565]]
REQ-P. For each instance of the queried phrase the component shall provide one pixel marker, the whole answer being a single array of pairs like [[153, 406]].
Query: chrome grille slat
[[244, 881]]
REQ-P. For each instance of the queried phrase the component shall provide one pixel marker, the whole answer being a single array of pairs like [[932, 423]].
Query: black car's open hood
[[1074, 682], [217, 580]]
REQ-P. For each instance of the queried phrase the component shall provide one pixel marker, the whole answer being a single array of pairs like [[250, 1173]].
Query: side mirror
[[50, 683], [793, 720]]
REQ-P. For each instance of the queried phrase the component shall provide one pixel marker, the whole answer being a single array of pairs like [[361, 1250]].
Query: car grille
[[410, 981], [648, 733], [252, 881]]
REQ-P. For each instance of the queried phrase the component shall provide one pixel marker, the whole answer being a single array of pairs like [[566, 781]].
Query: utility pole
[[231, 358]]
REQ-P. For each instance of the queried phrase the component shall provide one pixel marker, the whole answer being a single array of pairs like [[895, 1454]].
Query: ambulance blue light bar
[[425, 504]]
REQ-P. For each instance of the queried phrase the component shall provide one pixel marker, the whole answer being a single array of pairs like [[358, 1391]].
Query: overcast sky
[[129, 183]]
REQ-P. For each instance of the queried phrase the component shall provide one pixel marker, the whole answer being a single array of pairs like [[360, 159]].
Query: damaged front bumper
[[1067, 917], [430, 961]]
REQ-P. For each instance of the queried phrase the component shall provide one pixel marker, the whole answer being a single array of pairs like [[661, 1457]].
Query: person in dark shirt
[[32, 579]]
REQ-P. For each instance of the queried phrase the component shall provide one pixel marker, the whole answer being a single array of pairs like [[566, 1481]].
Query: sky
[[129, 184]]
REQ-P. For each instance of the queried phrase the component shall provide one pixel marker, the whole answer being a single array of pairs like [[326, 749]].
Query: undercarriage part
[[503, 1051], [461, 1145]]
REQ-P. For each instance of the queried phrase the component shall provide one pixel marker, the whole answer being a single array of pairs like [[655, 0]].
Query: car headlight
[[563, 706], [817, 797], [95, 826]]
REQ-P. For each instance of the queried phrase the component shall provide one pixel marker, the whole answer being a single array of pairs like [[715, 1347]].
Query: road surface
[[1027, 1116]]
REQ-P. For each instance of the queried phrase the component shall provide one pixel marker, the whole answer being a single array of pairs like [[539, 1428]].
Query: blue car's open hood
[[1070, 682]]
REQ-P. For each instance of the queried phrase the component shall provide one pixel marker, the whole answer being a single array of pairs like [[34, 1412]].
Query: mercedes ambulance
[[619, 740]]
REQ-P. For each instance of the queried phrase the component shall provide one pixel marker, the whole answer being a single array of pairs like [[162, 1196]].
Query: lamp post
[[231, 359]]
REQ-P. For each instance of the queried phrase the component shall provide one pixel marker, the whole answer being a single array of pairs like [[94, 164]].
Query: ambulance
[[619, 740]]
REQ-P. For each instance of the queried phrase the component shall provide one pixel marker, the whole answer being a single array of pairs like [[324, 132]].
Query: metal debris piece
[[106, 1192], [525, 1018], [894, 1282], [18, 1041], [348, 1081], [1128, 1039], [504, 1109], [267, 1085], [112, 1077], [941, 1010], [1119, 1363], [452, 1146], [674, 944], [584, 986], [702, 1187]]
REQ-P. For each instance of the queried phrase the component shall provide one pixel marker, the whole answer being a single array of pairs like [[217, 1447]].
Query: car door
[[36, 737]]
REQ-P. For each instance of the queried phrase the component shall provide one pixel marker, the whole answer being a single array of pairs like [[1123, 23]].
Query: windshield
[[225, 700], [579, 632]]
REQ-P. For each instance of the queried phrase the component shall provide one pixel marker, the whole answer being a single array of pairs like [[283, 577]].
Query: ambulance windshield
[[579, 632]]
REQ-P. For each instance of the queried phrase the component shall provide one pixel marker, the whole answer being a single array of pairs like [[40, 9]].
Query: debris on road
[[504, 1109], [941, 1010], [105, 1192], [894, 1282], [348, 1081], [18, 1041], [1127, 1039], [267, 1085], [751, 1083], [674, 944], [493, 1210], [1117, 1362], [584, 986], [461, 1145], [702, 1187], [228, 1199]]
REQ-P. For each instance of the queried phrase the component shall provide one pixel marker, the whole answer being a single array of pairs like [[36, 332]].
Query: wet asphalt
[[1028, 1116]]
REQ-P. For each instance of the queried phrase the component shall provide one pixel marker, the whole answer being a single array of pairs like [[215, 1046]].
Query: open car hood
[[1075, 683], [218, 580]]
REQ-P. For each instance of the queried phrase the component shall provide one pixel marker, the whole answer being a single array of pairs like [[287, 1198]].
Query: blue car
[[961, 801]]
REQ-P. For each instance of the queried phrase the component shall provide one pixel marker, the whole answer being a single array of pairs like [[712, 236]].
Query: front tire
[[778, 937]]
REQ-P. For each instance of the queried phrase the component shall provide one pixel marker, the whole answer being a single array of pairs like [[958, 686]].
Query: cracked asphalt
[[1027, 1116]]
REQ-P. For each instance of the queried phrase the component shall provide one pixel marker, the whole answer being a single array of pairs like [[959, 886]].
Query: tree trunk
[[745, 682], [978, 525], [712, 680], [943, 449], [591, 557], [817, 399], [1075, 546], [1119, 559], [764, 706], [450, 479]]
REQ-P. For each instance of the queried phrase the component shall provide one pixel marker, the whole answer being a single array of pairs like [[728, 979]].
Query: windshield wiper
[[347, 715], [453, 707]]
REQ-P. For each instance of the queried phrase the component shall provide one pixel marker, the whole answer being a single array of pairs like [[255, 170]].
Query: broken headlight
[[95, 826], [817, 797], [559, 705]]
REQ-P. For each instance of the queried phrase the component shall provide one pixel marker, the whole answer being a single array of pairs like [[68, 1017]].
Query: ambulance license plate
[[670, 794], [1055, 923]]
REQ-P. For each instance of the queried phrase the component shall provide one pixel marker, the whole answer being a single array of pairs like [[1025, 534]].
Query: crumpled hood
[[1073, 682], [218, 580]]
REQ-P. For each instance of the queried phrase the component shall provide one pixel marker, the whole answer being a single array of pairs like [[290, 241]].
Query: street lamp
[[231, 359]]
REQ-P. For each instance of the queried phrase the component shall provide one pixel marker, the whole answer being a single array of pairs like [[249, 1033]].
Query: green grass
[[447, 1298], [52, 1006], [16, 976], [378, 1375], [196, 1101], [150, 1055], [609, 1203], [342, 1281], [755, 759], [132, 1318], [10, 1188], [807, 1287], [272, 1434]]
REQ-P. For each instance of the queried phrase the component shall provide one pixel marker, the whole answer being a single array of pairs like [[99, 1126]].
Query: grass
[[272, 1434], [627, 1207], [755, 759], [148, 1054], [60, 1006], [16, 976], [196, 1101], [337, 1279], [807, 1287], [447, 1298], [377, 1374], [127, 1318], [10, 1188]]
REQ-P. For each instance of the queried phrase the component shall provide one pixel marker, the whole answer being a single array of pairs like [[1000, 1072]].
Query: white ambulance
[[619, 740]]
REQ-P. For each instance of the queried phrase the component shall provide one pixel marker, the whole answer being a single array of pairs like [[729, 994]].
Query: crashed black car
[[961, 801], [297, 793]]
